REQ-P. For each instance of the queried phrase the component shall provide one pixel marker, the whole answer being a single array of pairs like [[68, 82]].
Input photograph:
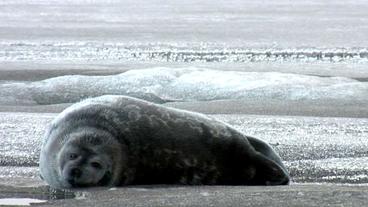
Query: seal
[[120, 140]]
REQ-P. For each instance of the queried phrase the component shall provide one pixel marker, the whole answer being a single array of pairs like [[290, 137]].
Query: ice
[[117, 52], [19, 201], [283, 23], [162, 84]]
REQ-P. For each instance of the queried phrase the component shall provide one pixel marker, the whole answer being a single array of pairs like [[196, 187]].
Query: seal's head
[[84, 158]]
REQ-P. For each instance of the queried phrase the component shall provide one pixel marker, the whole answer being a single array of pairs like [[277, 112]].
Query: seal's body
[[118, 140]]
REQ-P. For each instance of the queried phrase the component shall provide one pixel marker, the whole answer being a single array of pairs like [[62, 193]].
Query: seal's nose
[[75, 173]]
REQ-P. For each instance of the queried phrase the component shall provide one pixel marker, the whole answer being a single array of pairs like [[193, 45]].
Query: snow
[[185, 84]]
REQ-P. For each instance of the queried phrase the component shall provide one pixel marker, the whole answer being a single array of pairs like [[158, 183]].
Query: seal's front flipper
[[268, 172]]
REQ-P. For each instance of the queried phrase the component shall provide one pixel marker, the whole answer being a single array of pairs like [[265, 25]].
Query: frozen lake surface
[[131, 32], [284, 24], [271, 58]]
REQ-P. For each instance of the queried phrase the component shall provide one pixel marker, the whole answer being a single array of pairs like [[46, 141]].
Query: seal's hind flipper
[[268, 172], [266, 150]]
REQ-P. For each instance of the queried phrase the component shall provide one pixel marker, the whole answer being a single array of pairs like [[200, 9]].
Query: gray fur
[[119, 140]]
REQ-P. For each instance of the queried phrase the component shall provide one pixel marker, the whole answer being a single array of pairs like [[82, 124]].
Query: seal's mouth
[[105, 180]]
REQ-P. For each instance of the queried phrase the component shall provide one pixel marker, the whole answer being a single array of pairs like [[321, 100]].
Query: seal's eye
[[96, 165], [73, 156]]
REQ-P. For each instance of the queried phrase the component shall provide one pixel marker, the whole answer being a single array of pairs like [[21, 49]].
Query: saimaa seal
[[119, 140]]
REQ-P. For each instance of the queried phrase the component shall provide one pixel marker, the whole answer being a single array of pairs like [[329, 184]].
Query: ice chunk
[[185, 84]]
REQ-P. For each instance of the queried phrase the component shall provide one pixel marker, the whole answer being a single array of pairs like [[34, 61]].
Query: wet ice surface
[[267, 23], [163, 84], [314, 149], [119, 32]]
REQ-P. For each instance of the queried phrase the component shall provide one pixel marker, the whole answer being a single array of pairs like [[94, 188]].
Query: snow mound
[[162, 85]]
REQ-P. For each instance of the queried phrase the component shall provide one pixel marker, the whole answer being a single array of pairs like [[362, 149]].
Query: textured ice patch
[[185, 84], [333, 170], [102, 51]]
